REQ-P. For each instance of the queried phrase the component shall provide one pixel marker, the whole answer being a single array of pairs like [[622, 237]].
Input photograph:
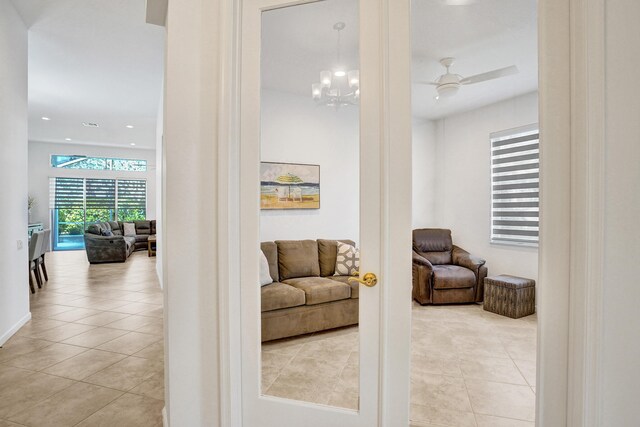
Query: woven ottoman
[[510, 296]]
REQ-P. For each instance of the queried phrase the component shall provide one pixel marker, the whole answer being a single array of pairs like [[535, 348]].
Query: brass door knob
[[369, 279]]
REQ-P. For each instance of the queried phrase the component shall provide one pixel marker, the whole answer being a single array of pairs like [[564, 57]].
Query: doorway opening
[[475, 212]]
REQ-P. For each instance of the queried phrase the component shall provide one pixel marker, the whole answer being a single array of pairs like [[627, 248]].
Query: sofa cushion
[[153, 226], [297, 258], [355, 286], [318, 289], [270, 250], [278, 295], [143, 227], [94, 229], [115, 226], [131, 240], [327, 252], [452, 277], [142, 238]]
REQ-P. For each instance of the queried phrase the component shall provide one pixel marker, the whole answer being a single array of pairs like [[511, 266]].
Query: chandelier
[[337, 86]]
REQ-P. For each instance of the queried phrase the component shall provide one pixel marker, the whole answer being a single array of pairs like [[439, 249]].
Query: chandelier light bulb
[[316, 90], [339, 73], [354, 78], [325, 78]]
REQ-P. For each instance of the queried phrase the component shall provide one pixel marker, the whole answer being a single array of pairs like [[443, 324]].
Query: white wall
[[463, 182], [14, 288], [40, 170], [424, 174], [621, 347], [295, 130]]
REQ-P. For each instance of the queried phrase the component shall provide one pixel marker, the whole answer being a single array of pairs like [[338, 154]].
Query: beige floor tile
[[154, 351], [154, 328], [489, 421], [75, 314], [85, 364], [17, 346], [127, 374], [129, 410], [10, 375], [502, 400], [491, 369], [442, 391], [48, 356], [35, 326], [102, 318], [23, 394], [426, 364], [136, 307], [523, 349], [61, 333], [97, 303], [153, 387], [343, 399], [68, 407], [156, 312], [131, 323], [95, 337], [130, 343], [433, 413], [5, 423], [528, 370]]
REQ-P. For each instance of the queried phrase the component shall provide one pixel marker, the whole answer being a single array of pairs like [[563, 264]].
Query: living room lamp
[[333, 90]]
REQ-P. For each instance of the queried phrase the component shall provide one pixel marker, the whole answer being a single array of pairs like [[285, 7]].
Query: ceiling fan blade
[[428, 83], [490, 75]]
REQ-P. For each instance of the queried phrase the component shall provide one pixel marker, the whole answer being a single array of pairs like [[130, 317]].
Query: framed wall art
[[289, 186]]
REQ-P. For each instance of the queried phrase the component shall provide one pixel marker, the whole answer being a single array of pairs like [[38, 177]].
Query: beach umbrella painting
[[289, 179]]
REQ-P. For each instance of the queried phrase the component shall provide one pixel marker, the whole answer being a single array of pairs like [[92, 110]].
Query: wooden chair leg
[[36, 272], [33, 290], [44, 269]]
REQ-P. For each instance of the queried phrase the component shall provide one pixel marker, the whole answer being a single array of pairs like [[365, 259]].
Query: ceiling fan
[[448, 84]]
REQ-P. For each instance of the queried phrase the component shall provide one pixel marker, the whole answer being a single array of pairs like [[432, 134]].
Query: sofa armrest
[[465, 259], [105, 248], [422, 261]]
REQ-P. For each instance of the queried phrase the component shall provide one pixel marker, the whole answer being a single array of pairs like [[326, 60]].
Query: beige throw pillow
[[129, 229], [348, 260]]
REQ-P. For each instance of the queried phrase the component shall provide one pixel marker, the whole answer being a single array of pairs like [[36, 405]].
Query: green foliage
[[73, 222], [131, 214]]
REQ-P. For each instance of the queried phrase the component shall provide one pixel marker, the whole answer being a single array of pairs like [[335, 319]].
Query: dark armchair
[[444, 273]]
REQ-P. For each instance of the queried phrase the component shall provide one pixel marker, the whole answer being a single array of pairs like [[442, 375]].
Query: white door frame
[[203, 40]]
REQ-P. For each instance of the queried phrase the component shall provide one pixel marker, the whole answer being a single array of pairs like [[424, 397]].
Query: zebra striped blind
[[515, 178]]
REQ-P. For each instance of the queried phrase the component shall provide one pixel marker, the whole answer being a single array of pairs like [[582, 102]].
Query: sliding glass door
[[77, 203]]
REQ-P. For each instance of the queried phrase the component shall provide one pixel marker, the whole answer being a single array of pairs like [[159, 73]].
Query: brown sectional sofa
[[305, 296]]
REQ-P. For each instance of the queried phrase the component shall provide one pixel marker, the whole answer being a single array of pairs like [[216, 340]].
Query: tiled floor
[[469, 368], [92, 355]]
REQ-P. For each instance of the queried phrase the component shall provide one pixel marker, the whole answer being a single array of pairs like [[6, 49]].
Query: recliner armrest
[[420, 260], [465, 259]]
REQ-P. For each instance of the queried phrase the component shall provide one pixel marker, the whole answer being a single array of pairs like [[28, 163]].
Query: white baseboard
[[5, 337], [165, 422]]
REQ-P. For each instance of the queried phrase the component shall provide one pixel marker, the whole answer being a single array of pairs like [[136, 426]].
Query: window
[[97, 163], [515, 177], [77, 203]]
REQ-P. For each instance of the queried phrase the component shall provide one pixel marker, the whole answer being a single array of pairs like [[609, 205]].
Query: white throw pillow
[[348, 260], [129, 229], [265, 276]]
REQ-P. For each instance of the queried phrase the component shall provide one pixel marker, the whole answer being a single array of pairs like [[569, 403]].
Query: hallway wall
[[14, 289]]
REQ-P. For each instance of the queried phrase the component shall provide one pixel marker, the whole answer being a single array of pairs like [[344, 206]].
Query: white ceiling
[[299, 42], [93, 61]]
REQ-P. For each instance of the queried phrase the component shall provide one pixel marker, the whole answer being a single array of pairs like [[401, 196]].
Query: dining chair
[[43, 250], [35, 245]]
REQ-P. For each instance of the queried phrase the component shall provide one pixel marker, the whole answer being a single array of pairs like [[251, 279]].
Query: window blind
[[132, 194], [67, 193], [515, 179], [101, 193]]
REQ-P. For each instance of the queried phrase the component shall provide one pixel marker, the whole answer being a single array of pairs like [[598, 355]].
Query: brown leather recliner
[[444, 273]]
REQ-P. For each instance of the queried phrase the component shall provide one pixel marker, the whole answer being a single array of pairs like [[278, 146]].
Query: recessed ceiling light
[[67, 139], [46, 118], [90, 125], [133, 143], [129, 126]]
